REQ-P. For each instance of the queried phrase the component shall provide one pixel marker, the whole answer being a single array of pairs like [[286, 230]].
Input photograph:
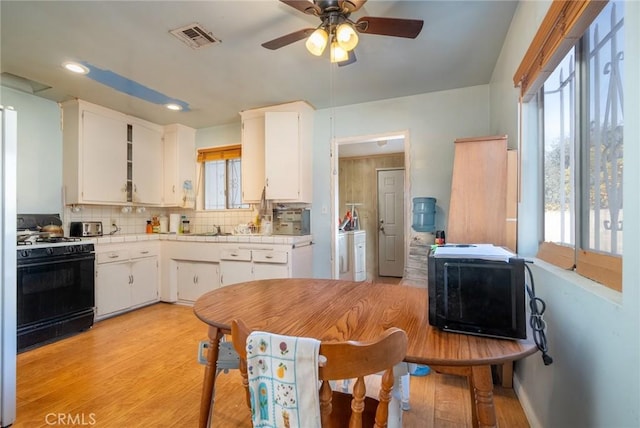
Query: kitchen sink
[[210, 234]]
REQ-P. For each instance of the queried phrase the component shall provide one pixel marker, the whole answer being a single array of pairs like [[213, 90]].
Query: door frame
[[335, 143]]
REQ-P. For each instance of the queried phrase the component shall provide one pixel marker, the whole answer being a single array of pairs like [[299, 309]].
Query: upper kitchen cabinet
[[146, 162], [109, 157], [179, 166], [276, 152]]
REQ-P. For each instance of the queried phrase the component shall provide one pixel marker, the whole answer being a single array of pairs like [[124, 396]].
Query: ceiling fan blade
[[288, 39], [397, 27], [351, 5], [303, 6], [352, 58]]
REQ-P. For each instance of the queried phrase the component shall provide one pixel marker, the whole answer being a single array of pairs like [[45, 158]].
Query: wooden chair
[[345, 360]]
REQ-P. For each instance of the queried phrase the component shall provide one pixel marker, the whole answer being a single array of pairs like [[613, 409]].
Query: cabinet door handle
[[144, 252], [173, 188], [113, 256], [268, 257], [197, 279]]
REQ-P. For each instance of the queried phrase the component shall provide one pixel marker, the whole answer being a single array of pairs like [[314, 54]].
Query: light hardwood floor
[[140, 370]]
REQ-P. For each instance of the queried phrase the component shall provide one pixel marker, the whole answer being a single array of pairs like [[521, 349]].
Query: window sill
[[572, 278]]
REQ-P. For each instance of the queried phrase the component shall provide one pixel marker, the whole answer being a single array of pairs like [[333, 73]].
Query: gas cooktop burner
[[48, 240]]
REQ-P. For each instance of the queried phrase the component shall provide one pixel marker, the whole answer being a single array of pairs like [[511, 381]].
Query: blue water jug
[[424, 214]]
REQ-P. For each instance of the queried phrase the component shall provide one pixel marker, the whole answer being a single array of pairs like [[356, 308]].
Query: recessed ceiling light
[[74, 67], [174, 107]]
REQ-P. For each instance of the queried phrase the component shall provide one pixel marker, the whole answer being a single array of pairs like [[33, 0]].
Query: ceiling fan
[[340, 32]]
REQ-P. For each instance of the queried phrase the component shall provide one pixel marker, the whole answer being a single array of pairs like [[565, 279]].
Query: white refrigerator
[[8, 132]]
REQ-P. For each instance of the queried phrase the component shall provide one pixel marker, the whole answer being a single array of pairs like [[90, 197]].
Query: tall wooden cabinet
[[483, 193]]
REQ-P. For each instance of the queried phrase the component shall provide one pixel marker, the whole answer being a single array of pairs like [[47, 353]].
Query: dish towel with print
[[283, 380]]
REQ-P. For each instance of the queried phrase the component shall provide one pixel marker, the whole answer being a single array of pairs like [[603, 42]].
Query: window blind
[[560, 30]]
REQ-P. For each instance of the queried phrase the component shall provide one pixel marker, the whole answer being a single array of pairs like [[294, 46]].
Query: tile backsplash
[[133, 220]]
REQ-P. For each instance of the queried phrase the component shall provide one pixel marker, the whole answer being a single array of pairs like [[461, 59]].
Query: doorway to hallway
[[354, 181]]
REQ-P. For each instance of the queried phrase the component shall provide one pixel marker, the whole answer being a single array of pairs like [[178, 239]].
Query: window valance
[[219, 153]]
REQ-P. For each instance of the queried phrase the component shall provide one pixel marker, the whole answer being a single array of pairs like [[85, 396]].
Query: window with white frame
[[582, 131], [222, 178]]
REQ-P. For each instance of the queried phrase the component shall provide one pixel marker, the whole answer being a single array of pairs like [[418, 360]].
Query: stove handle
[[47, 261]]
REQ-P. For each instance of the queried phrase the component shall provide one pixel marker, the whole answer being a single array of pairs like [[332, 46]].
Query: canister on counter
[[164, 224]]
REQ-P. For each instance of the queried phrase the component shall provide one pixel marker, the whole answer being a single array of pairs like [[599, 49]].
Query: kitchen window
[[581, 129], [222, 178]]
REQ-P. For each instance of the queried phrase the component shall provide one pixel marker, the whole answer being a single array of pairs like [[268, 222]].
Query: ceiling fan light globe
[[317, 41], [346, 36], [338, 53]]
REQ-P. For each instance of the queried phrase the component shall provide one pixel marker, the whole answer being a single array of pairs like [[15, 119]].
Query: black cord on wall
[[536, 321]]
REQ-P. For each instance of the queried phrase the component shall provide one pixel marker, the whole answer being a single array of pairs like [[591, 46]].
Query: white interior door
[[391, 222]]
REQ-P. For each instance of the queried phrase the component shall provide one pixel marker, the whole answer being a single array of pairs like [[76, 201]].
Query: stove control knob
[[49, 250], [25, 253], [71, 249]]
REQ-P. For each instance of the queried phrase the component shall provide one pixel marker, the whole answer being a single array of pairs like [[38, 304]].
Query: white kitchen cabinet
[[235, 262], [94, 154], [245, 264], [113, 288], [269, 264], [253, 178], [147, 165], [126, 277], [109, 158], [179, 166], [195, 279], [235, 266], [144, 281], [278, 141]]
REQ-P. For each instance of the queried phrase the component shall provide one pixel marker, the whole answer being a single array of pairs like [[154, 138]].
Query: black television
[[477, 296]]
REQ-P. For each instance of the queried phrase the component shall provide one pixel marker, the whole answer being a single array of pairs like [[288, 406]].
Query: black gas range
[[55, 284]]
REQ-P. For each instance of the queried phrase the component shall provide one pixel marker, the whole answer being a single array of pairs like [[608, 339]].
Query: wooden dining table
[[337, 310]]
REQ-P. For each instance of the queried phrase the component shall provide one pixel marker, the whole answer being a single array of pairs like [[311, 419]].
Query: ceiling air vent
[[195, 36]]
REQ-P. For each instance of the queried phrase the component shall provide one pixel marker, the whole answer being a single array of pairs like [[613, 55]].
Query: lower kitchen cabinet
[[126, 278], [240, 265], [270, 264], [195, 279], [191, 268], [235, 266], [113, 288], [144, 281]]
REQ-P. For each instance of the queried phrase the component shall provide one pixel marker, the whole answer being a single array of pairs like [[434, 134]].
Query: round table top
[[328, 309]]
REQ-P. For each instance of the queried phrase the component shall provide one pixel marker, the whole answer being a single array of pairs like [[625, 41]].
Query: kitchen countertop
[[271, 239]]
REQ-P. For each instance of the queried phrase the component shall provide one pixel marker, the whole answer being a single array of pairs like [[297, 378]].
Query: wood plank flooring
[[140, 370]]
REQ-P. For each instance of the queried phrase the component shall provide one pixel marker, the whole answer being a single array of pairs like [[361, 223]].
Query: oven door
[[51, 288]]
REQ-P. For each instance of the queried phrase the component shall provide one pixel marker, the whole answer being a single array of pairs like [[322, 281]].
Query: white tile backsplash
[[133, 222]]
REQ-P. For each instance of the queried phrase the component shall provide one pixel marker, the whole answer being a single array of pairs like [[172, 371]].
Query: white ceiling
[[458, 47]]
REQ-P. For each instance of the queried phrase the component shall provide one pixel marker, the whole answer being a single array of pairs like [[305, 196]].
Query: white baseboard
[[529, 412]]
